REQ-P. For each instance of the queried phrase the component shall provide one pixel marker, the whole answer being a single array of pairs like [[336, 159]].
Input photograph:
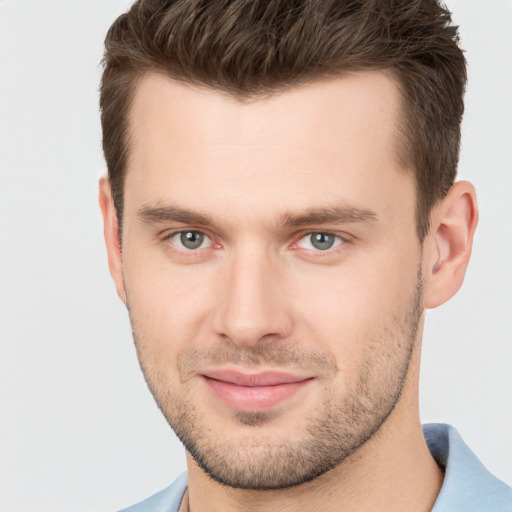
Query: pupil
[[322, 241], [192, 239]]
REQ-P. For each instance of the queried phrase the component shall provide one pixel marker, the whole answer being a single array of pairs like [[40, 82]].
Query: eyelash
[[169, 238], [339, 240]]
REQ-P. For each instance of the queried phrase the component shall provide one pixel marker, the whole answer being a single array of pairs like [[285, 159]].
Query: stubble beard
[[344, 422]]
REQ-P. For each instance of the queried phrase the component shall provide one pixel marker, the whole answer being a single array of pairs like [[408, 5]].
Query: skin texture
[[256, 180]]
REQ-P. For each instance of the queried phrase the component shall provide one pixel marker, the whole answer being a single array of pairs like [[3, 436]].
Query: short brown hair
[[254, 47]]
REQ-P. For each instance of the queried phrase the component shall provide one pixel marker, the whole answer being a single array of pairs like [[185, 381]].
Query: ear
[[447, 248], [111, 233]]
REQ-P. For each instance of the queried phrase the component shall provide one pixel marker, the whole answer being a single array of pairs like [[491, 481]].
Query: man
[[280, 210]]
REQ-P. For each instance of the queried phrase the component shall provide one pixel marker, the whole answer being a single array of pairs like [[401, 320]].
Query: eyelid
[[169, 235], [170, 232], [342, 237]]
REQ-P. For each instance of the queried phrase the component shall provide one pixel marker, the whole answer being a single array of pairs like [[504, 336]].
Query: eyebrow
[[161, 214], [333, 215]]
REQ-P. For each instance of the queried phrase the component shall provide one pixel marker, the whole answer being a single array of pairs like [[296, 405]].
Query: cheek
[[168, 305], [357, 306], [167, 316]]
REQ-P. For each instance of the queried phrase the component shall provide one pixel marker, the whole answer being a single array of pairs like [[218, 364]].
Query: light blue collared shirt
[[467, 485]]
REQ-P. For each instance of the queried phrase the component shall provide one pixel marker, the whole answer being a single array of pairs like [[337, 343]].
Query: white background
[[79, 430]]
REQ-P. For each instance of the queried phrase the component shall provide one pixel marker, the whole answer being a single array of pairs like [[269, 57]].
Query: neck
[[392, 471]]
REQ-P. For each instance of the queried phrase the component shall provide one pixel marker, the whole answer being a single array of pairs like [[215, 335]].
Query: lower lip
[[253, 398]]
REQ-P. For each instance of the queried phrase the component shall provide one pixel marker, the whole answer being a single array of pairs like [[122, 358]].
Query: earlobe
[[111, 234], [448, 246]]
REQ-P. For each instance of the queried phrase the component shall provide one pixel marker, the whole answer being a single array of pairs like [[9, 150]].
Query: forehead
[[360, 105], [334, 139]]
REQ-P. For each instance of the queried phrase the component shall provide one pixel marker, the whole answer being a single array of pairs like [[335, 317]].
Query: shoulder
[[166, 500], [468, 486]]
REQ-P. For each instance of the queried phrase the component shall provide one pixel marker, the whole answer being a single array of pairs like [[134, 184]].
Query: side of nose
[[251, 303]]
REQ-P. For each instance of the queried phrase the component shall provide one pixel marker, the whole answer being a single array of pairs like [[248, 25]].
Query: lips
[[253, 392]]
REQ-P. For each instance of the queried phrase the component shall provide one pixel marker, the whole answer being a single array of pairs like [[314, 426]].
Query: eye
[[319, 241], [190, 240]]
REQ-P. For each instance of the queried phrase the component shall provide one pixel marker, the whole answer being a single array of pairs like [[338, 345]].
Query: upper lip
[[265, 378]]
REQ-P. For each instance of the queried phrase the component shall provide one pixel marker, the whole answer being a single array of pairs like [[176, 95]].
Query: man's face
[[271, 268]]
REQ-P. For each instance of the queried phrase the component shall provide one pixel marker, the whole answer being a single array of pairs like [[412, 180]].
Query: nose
[[252, 306]]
